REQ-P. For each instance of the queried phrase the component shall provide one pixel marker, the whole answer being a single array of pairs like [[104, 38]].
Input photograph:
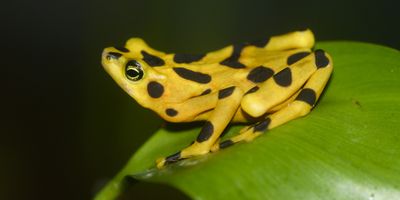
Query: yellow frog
[[267, 83]]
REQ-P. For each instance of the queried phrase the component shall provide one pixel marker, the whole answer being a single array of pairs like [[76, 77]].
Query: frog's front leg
[[228, 102], [190, 109]]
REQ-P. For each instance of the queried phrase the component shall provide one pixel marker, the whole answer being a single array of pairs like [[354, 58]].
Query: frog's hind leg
[[287, 82], [301, 105]]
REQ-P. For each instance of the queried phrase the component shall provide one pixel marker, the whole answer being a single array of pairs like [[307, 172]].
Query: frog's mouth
[[125, 86], [107, 58]]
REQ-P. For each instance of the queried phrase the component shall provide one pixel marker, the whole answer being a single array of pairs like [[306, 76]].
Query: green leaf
[[348, 147]]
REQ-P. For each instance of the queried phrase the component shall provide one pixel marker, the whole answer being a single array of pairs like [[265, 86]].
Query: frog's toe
[[222, 145], [160, 163], [215, 147]]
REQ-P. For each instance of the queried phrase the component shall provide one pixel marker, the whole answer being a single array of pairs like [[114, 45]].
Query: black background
[[67, 128]]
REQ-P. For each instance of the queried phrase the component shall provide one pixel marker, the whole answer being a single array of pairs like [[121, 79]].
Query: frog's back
[[243, 65], [252, 54]]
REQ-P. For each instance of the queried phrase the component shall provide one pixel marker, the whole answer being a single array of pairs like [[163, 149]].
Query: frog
[[264, 84]]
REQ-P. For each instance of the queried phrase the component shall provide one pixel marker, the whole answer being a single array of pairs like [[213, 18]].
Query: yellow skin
[[268, 83]]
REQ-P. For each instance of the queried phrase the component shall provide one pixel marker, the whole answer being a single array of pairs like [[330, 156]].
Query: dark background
[[66, 127]]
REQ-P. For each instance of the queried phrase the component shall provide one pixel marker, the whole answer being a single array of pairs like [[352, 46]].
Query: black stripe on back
[[187, 58], [152, 60], [192, 75], [233, 60]]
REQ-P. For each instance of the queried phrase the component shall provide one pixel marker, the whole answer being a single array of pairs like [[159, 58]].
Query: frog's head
[[131, 67]]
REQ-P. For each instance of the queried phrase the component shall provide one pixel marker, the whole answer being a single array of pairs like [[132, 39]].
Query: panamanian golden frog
[[266, 83]]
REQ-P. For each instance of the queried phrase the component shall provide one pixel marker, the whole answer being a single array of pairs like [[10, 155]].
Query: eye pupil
[[133, 70]]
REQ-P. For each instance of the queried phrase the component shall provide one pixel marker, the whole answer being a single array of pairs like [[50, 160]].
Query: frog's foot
[[246, 134], [196, 149], [298, 108]]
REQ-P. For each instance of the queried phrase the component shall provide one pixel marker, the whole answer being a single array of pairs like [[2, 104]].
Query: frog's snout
[[104, 54]]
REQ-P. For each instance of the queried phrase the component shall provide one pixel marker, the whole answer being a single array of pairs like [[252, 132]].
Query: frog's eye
[[133, 70]]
